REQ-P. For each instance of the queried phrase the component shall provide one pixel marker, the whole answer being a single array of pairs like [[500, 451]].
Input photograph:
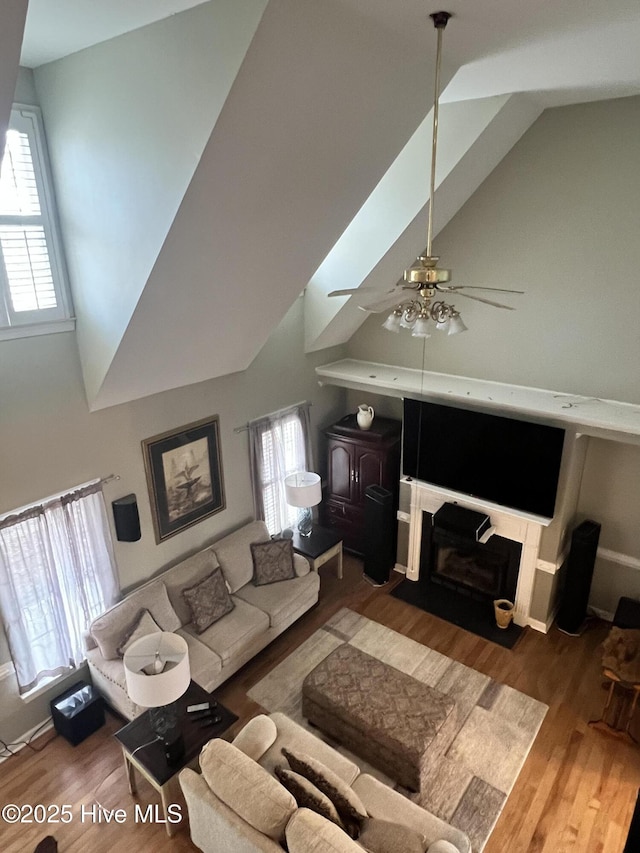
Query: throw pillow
[[142, 625], [307, 795], [348, 804], [383, 836], [208, 600], [272, 561]]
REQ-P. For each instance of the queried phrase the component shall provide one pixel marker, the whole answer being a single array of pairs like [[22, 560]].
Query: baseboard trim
[[601, 614], [617, 557], [6, 669], [21, 741]]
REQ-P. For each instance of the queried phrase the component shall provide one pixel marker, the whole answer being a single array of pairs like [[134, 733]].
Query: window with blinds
[[32, 270], [283, 453]]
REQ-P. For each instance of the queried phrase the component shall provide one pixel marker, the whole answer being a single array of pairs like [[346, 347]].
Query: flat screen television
[[509, 462]]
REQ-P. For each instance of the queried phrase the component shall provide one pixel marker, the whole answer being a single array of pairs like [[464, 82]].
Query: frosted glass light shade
[[169, 655], [392, 323], [421, 328], [303, 489], [456, 325]]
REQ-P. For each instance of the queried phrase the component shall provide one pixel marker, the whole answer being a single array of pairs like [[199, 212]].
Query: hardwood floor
[[576, 791]]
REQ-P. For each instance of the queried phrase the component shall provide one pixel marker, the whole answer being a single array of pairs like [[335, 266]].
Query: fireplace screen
[[475, 569], [482, 570]]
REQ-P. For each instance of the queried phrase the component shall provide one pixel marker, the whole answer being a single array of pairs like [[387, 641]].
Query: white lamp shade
[[160, 688], [303, 489]]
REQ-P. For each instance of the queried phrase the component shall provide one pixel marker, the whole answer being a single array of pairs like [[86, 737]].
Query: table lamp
[[156, 669], [303, 490]]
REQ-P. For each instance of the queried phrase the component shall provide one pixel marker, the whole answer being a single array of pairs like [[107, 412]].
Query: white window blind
[[32, 270], [278, 446], [283, 453]]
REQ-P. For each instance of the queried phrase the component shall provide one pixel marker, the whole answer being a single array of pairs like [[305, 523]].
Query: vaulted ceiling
[[212, 164]]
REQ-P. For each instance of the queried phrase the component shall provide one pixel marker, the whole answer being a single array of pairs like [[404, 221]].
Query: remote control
[[203, 706], [211, 722], [202, 715]]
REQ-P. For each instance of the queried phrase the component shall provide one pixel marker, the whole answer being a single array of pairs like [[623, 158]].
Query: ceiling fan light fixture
[[456, 324], [421, 328], [409, 316], [392, 323]]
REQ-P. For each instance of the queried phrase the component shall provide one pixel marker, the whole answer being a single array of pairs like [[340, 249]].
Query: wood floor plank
[[575, 793]]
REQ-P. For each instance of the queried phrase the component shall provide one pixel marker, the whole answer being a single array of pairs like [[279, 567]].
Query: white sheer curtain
[[57, 573], [279, 444]]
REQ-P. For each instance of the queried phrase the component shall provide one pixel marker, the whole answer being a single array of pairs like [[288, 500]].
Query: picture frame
[[184, 476]]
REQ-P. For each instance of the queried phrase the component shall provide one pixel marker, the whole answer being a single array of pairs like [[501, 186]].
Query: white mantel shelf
[[589, 415]]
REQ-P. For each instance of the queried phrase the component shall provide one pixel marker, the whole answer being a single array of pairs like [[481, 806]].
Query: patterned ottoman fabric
[[380, 713]]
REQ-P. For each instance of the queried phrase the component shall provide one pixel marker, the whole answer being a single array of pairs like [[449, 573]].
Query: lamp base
[[305, 523], [164, 723]]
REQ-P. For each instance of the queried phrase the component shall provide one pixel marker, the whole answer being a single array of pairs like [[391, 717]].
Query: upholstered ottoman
[[383, 715]]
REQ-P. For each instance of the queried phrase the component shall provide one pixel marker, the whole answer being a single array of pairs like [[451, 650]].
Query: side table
[[143, 753], [320, 547]]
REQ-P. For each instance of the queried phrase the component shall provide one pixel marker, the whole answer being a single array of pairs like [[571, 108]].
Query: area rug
[[495, 727]]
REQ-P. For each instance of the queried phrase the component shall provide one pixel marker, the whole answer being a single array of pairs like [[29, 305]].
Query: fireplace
[[483, 570]]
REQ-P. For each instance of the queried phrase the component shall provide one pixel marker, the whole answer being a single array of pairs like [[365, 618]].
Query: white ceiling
[[363, 66], [577, 50], [57, 28]]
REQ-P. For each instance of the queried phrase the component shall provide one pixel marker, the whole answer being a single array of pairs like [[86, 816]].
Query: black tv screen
[[506, 461]]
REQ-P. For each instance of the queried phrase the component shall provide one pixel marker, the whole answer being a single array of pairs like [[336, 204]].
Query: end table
[[320, 547]]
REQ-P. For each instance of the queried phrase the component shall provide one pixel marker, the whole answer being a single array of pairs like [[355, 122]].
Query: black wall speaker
[[380, 529], [579, 572], [126, 518]]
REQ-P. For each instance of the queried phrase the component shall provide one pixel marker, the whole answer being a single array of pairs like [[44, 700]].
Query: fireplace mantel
[[511, 524]]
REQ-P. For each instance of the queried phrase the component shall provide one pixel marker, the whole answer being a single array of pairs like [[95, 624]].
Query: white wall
[[558, 219], [127, 121], [49, 442]]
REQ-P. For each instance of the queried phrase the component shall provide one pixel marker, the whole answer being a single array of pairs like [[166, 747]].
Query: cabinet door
[[369, 466], [340, 470]]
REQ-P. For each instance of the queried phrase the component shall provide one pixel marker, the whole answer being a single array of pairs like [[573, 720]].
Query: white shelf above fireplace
[[609, 419]]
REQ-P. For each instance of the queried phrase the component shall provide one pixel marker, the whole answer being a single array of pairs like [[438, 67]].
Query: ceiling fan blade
[[383, 304], [456, 287], [486, 301], [351, 290]]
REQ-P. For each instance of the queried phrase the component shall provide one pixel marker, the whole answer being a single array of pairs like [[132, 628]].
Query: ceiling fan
[[425, 279]]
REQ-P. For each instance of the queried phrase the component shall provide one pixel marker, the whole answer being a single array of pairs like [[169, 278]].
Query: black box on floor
[[78, 712]]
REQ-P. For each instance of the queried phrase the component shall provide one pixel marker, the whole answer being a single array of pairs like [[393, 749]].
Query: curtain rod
[[109, 478], [246, 426]]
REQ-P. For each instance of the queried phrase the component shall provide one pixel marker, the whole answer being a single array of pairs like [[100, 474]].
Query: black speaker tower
[[578, 574], [380, 531]]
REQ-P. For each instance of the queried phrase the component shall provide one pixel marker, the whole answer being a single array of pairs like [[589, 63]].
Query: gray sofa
[[236, 805], [260, 614]]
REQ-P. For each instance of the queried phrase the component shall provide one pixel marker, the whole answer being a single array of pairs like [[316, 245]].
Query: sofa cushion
[[234, 553], [281, 600], [348, 804], [208, 600], [142, 625], [308, 832], [109, 629], [246, 788], [257, 736], [306, 794], [383, 836], [205, 665], [272, 561], [186, 574], [236, 632]]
